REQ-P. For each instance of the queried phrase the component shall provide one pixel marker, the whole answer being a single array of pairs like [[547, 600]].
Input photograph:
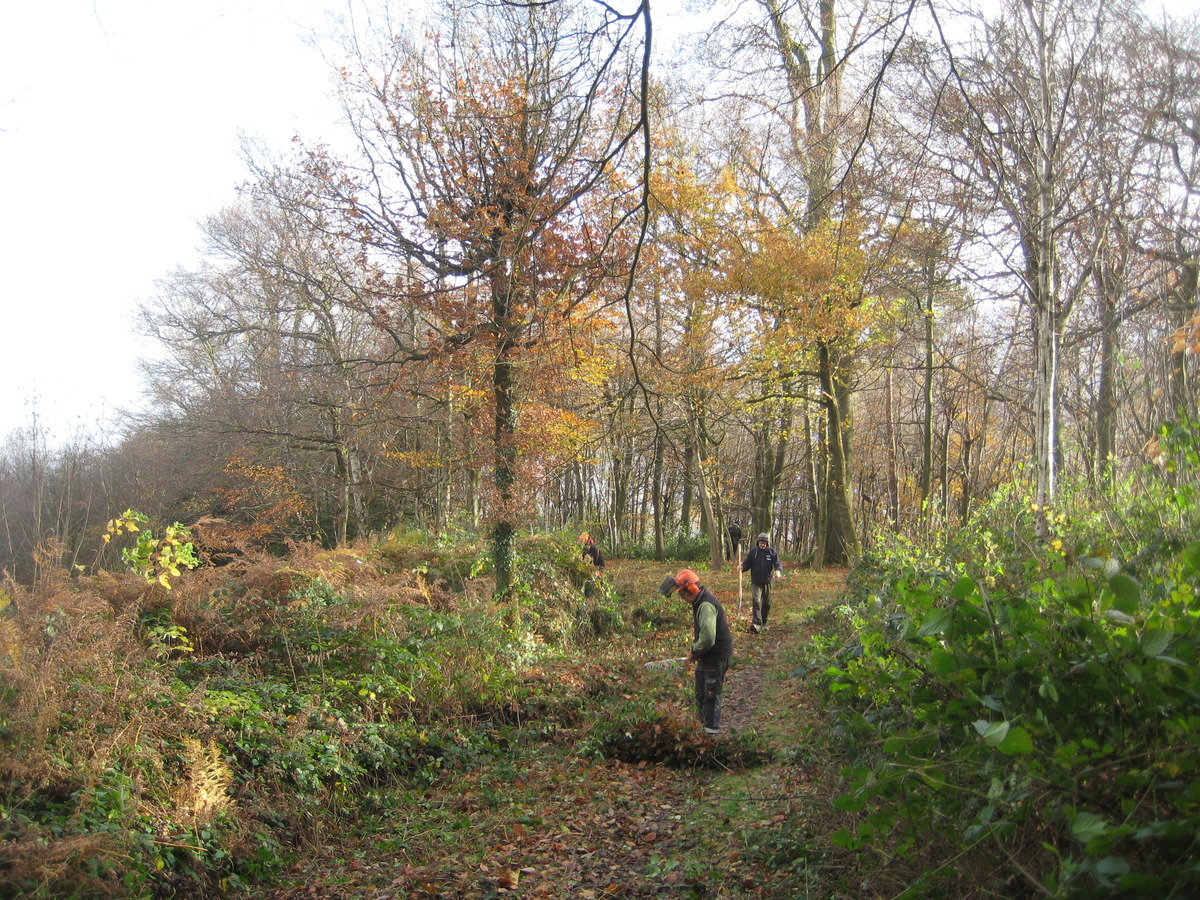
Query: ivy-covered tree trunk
[[504, 433], [656, 494], [841, 544]]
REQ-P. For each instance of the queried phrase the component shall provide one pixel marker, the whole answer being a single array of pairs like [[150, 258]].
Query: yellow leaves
[[154, 559], [466, 395], [592, 370], [803, 287], [551, 433], [420, 459], [126, 522]]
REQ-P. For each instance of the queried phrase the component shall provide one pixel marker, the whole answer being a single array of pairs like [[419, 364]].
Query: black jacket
[[761, 564], [593, 552]]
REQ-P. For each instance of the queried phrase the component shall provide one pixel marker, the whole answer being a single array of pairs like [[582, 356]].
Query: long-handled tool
[[739, 589]]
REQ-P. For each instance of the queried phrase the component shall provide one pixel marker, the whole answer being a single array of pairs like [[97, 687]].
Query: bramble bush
[[184, 738], [1033, 708]]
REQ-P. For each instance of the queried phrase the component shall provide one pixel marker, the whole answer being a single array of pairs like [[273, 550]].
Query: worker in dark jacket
[[591, 551], [712, 644], [762, 562]]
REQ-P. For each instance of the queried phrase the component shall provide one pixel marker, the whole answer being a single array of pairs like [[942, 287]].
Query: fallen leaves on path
[[543, 821]]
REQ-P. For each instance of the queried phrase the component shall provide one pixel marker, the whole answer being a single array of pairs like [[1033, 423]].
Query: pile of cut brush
[[670, 737]]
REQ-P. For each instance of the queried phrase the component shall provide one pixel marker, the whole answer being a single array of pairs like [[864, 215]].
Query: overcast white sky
[[119, 130], [120, 124]]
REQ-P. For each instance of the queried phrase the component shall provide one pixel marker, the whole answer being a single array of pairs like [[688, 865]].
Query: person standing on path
[[735, 541], [762, 562], [712, 644]]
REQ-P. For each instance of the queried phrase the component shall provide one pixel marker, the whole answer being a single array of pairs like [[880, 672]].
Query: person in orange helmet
[[591, 551], [712, 644]]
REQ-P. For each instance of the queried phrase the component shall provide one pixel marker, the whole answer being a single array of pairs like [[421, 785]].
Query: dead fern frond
[[205, 790], [11, 645]]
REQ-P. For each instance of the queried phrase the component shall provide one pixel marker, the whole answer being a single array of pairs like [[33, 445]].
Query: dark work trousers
[[761, 597], [710, 680]]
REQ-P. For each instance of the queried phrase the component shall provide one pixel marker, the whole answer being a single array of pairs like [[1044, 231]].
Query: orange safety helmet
[[686, 582], [584, 538]]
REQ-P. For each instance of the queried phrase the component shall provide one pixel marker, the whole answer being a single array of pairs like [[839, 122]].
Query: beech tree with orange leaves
[[803, 76], [487, 189]]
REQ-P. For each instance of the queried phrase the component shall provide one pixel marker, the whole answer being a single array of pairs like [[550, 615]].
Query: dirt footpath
[[762, 661]]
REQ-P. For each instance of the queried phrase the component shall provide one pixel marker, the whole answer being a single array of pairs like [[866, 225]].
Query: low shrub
[[185, 741], [1032, 705]]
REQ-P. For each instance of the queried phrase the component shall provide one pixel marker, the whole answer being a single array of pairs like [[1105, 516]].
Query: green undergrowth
[[1024, 711], [200, 740]]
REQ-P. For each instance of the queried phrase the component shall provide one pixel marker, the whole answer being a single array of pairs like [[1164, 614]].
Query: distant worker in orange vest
[[591, 551]]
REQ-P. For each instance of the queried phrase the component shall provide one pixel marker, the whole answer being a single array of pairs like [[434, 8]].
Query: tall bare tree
[[266, 344], [488, 153], [1032, 116]]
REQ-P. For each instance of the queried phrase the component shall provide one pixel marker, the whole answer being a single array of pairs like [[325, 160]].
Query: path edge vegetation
[[979, 713]]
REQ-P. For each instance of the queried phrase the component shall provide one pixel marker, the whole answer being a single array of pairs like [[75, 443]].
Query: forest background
[[847, 266], [912, 288]]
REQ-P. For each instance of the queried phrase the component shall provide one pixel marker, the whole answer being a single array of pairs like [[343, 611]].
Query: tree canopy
[[839, 266]]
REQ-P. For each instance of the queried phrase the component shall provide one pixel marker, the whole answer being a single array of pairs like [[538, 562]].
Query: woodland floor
[[543, 819]]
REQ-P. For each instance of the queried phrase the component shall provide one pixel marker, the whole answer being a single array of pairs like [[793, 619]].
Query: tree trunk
[[1045, 455], [715, 556], [504, 433], [841, 544], [945, 473], [818, 457], [656, 493], [353, 513], [689, 475], [926, 482], [968, 475], [1179, 393], [1105, 412], [772, 438], [893, 472]]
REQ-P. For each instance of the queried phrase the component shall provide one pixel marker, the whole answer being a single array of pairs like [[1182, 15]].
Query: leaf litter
[[545, 819]]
